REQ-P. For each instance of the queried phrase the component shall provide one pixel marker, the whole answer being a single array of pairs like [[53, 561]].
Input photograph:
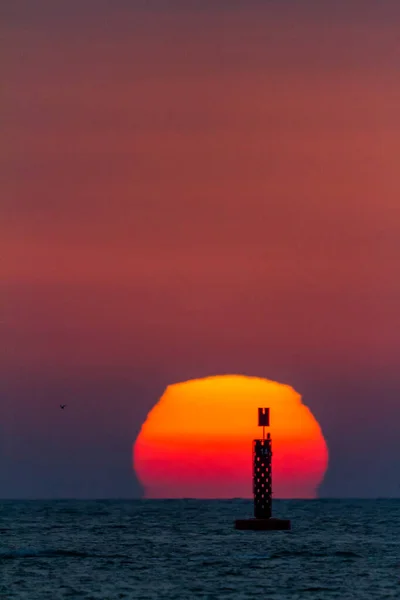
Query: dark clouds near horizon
[[196, 188]]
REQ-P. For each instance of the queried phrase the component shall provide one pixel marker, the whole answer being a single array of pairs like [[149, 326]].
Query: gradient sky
[[188, 189]]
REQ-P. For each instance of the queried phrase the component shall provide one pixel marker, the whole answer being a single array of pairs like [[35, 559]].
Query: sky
[[192, 189]]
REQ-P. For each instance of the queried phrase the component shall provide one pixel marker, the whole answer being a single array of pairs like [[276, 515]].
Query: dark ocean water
[[189, 549]]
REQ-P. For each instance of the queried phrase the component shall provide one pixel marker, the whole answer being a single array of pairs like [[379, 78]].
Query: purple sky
[[188, 189]]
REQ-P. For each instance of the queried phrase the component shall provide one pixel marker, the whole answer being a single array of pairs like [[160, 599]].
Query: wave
[[308, 553], [317, 588], [31, 553]]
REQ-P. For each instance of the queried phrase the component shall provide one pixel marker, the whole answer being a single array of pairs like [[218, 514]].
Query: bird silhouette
[[63, 406]]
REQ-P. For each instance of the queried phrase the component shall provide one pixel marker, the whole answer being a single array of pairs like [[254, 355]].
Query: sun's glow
[[197, 440]]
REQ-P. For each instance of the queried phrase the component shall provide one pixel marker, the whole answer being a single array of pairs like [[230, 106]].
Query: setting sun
[[196, 442]]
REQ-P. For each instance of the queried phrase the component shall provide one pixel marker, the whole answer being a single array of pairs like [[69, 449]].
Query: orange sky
[[200, 188]]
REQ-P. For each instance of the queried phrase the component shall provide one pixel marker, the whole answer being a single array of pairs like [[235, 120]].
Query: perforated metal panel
[[262, 478]]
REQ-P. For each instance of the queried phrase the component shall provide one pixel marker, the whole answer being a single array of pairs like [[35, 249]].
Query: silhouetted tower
[[262, 483], [262, 470]]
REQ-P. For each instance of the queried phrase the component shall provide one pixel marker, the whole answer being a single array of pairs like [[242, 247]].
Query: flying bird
[[63, 406]]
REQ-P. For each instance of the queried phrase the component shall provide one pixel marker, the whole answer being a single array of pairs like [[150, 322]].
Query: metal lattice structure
[[262, 484], [262, 478]]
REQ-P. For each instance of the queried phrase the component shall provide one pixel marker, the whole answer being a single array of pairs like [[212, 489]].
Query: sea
[[184, 549]]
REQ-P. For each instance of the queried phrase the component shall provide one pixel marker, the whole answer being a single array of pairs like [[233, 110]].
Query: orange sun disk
[[197, 440]]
